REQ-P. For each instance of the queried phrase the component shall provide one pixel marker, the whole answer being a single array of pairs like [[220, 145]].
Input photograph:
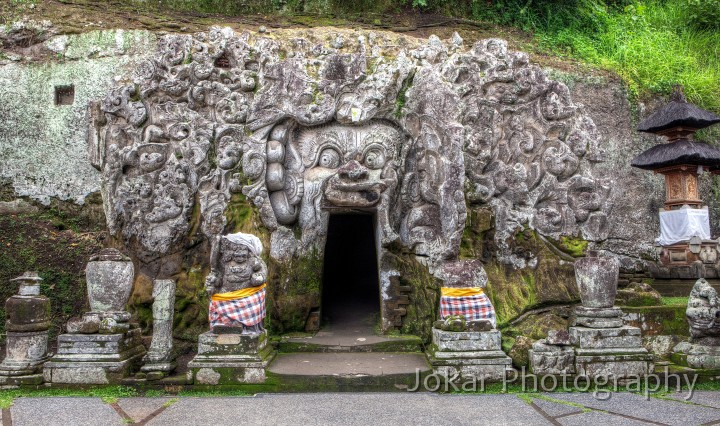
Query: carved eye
[[374, 159], [329, 158]]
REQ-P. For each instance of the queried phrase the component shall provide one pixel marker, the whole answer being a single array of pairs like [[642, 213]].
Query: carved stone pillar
[[28, 320], [160, 359]]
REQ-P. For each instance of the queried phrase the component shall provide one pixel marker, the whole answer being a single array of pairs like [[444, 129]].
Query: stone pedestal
[[160, 359], [28, 320], [95, 358], [697, 355], [469, 353], [551, 359], [230, 358], [613, 351]]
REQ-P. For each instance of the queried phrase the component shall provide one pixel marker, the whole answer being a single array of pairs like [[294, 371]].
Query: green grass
[[109, 394], [651, 44], [669, 301]]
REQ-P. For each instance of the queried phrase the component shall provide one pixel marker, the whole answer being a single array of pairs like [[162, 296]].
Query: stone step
[[374, 371], [344, 343]]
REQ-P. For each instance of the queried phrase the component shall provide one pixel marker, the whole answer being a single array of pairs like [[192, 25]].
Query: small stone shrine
[[703, 315], [465, 341], [27, 324], [236, 349], [599, 342], [102, 346], [685, 245]]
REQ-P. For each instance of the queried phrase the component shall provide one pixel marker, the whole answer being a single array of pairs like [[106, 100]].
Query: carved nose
[[353, 170]]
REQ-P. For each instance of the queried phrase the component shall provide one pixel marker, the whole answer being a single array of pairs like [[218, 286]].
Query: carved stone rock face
[[413, 131]]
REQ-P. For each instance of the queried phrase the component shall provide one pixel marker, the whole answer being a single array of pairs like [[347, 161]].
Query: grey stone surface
[[555, 408], [139, 408], [551, 359], [63, 412], [109, 276], [352, 409], [708, 398], [699, 356], [348, 364], [597, 279], [661, 411], [594, 418], [466, 341], [160, 353], [600, 338], [55, 164], [703, 311]]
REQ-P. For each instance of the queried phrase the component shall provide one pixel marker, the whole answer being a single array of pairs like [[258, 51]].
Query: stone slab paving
[[554, 409], [709, 398], [63, 412], [636, 406], [140, 408], [351, 409], [348, 364], [368, 408], [595, 418]]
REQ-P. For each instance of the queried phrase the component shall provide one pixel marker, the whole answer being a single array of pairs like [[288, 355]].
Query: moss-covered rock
[[638, 294], [519, 351], [294, 290]]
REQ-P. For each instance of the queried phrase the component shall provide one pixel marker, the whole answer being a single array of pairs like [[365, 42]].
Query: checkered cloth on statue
[[242, 307], [470, 302]]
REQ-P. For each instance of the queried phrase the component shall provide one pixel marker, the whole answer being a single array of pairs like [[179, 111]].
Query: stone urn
[[110, 275], [597, 280]]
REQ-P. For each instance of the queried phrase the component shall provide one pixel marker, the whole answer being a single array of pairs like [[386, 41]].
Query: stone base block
[[484, 372], [26, 351], [599, 338], [485, 365], [598, 317], [95, 358], [696, 355], [617, 363], [32, 379], [551, 359], [466, 340], [230, 359]]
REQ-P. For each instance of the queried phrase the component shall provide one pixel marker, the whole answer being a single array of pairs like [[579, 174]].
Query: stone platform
[[697, 355], [616, 351], [469, 353], [95, 358], [230, 358]]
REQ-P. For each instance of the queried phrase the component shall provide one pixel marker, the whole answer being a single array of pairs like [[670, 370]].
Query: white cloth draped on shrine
[[683, 224]]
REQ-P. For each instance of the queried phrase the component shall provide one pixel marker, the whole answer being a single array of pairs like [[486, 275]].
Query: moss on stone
[[424, 294], [574, 246], [479, 221], [293, 291]]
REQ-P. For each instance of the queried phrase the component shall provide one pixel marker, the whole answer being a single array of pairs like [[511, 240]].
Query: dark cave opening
[[350, 290]]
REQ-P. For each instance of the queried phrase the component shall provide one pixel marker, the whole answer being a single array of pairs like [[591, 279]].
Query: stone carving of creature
[[340, 166], [236, 283], [703, 311]]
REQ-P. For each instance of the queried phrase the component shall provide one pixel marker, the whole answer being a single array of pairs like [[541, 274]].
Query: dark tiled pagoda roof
[[678, 113], [683, 151]]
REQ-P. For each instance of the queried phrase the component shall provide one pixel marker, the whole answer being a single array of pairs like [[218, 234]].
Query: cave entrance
[[350, 285]]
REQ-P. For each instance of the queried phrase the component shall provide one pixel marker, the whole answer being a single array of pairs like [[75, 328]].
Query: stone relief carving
[[703, 311], [305, 126]]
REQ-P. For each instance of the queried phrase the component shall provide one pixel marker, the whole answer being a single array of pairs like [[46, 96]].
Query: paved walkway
[[371, 408]]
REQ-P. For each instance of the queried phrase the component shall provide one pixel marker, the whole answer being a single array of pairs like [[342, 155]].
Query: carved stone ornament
[[302, 127]]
